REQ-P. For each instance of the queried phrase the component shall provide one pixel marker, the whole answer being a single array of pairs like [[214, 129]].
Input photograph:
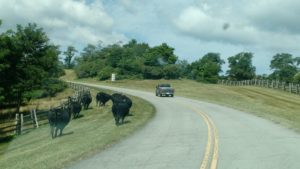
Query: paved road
[[190, 134]]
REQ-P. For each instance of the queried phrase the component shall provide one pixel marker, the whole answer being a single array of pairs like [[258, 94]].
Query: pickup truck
[[164, 90]]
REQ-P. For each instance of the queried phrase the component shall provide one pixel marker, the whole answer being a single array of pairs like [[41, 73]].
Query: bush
[[171, 72], [151, 72], [296, 78], [53, 86], [105, 73]]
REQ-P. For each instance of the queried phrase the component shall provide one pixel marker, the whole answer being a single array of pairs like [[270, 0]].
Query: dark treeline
[[132, 60], [29, 66], [140, 61]]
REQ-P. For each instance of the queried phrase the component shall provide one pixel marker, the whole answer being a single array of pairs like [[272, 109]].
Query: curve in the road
[[178, 138], [211, 150], [209, 156]]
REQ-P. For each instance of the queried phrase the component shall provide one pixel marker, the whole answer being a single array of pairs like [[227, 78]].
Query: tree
[[132, 60], [207, 68], [184, 68], [241, 67], [27, 61], [160, 56], [69, 53], [284, 67], [296, 78], [171, 71]]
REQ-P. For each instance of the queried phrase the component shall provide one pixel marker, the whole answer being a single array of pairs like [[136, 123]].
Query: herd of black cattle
[[59, 117]]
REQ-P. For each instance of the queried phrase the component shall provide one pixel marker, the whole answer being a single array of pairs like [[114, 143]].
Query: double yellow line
[[212, 146]]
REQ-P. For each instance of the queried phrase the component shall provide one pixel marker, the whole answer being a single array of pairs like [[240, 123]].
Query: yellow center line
[[212, 141], [208, 145], [215, 157]]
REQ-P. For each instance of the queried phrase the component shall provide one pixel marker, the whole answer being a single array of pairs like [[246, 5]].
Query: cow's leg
[[56, 129], [61, 130], [117, 120], [122, 122], [52, 131]]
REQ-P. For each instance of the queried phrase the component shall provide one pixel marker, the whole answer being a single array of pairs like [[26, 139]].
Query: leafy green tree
[[284, 67], [90, 62], [105, 73], [207, 68], [69, 55], [153, 72], [27, 61], [160, 55], [184, 68], [132, 60], [296, 78], [241, 67], [171, 71]]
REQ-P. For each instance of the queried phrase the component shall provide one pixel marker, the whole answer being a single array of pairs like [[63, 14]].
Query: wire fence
[[273, 84]]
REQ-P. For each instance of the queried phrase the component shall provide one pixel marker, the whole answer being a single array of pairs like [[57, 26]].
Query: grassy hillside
[[280, 107], [83, 137]]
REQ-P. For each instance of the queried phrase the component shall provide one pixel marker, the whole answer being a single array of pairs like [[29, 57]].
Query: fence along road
[[178, 137]]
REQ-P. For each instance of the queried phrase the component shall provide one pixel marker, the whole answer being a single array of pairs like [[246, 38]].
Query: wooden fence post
[[21, 123], [17, 124], [35, 119]]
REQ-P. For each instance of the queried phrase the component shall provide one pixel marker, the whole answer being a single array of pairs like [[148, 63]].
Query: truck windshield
[[165, 85]]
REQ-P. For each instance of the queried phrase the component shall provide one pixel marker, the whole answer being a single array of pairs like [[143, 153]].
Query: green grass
[[277, 106], [83, 137]]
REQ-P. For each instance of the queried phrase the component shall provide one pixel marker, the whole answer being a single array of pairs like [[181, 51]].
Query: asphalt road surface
[[190, 134]]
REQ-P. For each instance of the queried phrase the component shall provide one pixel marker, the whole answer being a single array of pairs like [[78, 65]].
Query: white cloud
[[192, 27], [275, 15], [206, 25], [67, 22]]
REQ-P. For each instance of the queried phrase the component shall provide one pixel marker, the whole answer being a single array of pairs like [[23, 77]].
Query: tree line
[[130, 61], [135, 60], [30, 65]]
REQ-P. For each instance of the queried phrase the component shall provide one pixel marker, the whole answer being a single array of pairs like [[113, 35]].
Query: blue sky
[[192, 27]]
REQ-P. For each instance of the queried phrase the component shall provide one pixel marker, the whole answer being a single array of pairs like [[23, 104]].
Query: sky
[[192, 27]]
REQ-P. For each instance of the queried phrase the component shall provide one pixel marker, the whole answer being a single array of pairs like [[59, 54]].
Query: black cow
[[117, 97], [59, 118], [121, 107], [86, 99], [75, 107], [102, 98]]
